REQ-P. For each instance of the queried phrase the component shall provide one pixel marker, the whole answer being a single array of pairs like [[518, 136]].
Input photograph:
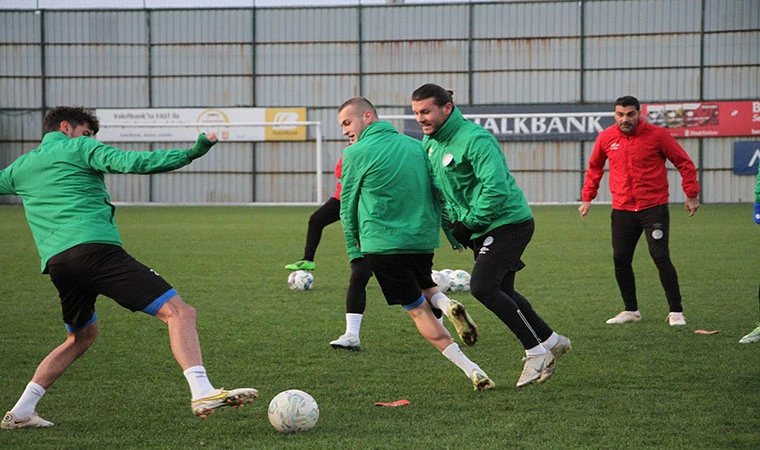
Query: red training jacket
[[638, 176], [338, 170]]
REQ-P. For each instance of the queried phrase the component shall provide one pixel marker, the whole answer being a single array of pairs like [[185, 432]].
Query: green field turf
[[633, 386]]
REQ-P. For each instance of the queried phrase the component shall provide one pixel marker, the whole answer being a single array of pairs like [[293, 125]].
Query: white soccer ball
[[292, 411], [459, 281], [441, 279], [300, 280], [446, 273]]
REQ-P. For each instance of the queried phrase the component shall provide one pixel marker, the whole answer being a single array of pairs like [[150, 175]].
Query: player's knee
[[176, 310], [662, 260], [622, 259], [186, 312], [315, 221], [360, 276], [84, 338], [482, 289]]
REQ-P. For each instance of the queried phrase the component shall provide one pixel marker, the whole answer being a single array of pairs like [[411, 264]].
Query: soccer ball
[[292, 411], [441, 279], [459, 281], [300, 280]]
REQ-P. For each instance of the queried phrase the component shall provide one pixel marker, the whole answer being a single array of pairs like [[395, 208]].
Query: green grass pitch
[[635, 386]]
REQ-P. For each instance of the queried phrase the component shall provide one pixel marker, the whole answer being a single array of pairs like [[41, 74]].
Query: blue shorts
[[85, 271]]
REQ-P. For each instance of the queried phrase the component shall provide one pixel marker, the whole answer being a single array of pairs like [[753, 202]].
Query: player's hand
[[202, 145], [211, 137], [757, 213], [462, 234], [583, 209], [692, 205]]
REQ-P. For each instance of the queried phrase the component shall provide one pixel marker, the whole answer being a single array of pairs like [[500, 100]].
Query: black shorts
[[402, 277], [504, 246], [84, 271]]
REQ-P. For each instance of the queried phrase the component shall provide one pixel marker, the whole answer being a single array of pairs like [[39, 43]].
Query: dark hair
[[75, 115], [360, 103], [439, 95], [628, 100]]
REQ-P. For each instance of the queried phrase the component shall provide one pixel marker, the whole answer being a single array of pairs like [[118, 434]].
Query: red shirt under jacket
[[338, 170], [637, 172]]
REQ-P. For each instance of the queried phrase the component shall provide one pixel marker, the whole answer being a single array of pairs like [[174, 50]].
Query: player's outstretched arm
[[202, 145]]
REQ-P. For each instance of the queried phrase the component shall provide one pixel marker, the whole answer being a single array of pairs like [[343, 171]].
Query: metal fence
[[490, 53]]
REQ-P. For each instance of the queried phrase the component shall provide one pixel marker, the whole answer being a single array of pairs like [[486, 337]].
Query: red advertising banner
[[705, 119]]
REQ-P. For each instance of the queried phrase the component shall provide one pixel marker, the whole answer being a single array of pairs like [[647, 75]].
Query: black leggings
[[497, 260], [356, 296], [361, 271], [627, 227], [322, 217]]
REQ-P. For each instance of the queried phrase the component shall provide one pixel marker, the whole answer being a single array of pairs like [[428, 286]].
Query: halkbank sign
[[535, 123], [584, 122]]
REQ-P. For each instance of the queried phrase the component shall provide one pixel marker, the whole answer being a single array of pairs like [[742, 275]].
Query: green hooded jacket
[[471, 171], [387, 203], [62, 185]]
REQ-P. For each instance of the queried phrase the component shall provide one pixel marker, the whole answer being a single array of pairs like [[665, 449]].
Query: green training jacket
[[471, 171], [386, 203], [64, 193]]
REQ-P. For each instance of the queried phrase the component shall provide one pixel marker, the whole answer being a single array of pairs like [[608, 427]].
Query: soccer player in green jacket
[[491, 216], [72, 221], [391, 217]]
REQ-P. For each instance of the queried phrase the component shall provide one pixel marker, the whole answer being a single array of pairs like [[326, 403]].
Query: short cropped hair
[[628, 100], [360, 103]]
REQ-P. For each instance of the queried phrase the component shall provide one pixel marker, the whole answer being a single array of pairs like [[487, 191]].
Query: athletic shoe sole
[[236, 398], [481, 381], [10, 422], [465, 326]]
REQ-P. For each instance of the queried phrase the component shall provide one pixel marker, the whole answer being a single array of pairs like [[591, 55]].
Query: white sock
[[26, 405], [455, 355], [198, 381], [353, 323], [440, 301], [551, 341], [535, 351]]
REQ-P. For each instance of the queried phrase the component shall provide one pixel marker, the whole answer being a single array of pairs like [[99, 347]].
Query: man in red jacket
[[637, 152]]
